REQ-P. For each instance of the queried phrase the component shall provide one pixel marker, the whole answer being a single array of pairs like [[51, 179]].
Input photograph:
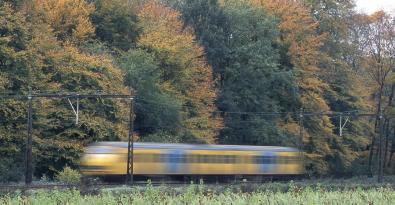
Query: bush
[[10, 170], [68, 176]]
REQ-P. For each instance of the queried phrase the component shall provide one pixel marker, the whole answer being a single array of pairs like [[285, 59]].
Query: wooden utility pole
[[129, 171]]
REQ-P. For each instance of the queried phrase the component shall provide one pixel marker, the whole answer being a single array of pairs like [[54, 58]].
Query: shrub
[[10, 170], [68, 176]]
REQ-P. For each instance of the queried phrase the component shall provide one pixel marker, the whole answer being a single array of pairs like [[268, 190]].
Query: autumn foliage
[[201, 71], [185, 72]]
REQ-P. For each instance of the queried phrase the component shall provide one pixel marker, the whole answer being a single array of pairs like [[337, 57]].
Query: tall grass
[[198, 195]]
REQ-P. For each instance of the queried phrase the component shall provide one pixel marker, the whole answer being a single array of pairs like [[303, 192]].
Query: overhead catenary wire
[[350, 113], [100, 94], [58, 95], [355, 113]]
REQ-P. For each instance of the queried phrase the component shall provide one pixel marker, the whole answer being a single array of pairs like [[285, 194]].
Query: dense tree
[[232, 39], [202, 71], [12, 113], [155, 110], [69, 19], [378, 47], [339, 68], [35, 58], [342, 72], [116, 23], [210, 24], [185, 75], [300, 51], [252, 81]]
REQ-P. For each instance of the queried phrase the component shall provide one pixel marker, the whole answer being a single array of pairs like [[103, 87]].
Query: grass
[[204, 194]]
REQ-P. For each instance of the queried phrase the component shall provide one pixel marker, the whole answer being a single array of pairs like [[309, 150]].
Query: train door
[[175, 162], [267, 162]]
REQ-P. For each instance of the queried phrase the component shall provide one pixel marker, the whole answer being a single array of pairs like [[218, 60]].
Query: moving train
[[158, 159]]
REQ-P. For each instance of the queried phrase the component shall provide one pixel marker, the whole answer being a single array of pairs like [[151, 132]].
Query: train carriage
[[110, 158]]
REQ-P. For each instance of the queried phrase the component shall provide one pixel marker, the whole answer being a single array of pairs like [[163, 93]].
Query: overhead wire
[[227, 114]]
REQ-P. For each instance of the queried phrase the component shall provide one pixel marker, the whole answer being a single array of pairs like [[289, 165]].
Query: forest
[[201, 71]]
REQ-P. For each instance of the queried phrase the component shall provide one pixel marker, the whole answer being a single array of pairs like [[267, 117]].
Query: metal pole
[[28, 157], [129, 177], [78, 109], [340, 126], [301, 136]]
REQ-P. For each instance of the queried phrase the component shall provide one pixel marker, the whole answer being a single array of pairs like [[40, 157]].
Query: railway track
[[22, 187], [11, 188], [244, 186], [33, 186]]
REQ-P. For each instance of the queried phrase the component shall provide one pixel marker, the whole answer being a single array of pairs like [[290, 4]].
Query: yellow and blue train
[[110, 158]]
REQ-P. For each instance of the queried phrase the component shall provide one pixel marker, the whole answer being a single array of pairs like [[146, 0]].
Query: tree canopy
[[201, 71]]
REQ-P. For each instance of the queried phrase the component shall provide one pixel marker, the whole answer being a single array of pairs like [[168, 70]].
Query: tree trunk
[[387, 128], [370, 172], [386, 149], [389, 161], [380, 156], [386, 133], [392, 149]]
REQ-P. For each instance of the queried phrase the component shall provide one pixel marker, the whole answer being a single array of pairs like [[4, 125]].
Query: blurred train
[[157, 159]]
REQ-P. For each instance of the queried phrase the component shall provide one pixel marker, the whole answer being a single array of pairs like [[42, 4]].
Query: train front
[[103, 159]]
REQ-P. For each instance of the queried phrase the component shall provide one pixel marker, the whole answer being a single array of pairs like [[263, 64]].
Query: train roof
[[144, 145]]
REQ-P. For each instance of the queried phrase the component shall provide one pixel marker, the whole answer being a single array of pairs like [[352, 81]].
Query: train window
[[226, 159], [288, 159], [162, 157], [245, 159], [145, 158], [241, 159], [189, 158], [210, 158], [200, 158], [149, 158], [258, 159], [140, 158], [265, 159], [222, 159], [183, 158], [232, 159], [100, 150], [174, 158], [205, 158], [218, 159], [156, 157], [136, 157], [195, 158], [229, 159], [215, 159]]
